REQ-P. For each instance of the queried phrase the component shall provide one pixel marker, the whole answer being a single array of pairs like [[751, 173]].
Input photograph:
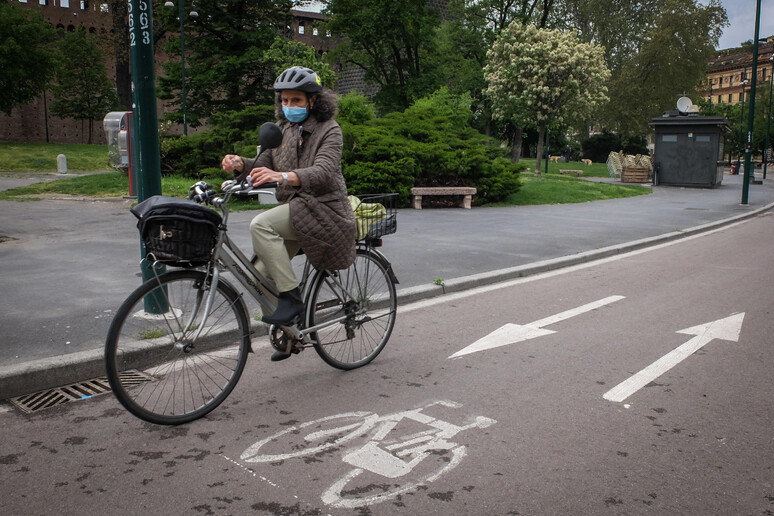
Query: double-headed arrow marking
[[513, 333], [723, 329]]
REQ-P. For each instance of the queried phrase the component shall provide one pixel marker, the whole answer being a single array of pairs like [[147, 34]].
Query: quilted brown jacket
[[320, 213]]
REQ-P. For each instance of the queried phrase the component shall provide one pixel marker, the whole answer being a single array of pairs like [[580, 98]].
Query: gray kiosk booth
[[689, 149]]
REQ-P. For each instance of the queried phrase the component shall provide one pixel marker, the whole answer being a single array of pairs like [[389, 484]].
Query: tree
[[392, 41], [285, 53], [225, 46], [27, 55], [463, 40], [119, 41], [540, 75], [657, 50], [82, 90]]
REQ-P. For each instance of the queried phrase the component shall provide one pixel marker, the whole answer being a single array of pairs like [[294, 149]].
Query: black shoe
[[279, 355], [289, 307]]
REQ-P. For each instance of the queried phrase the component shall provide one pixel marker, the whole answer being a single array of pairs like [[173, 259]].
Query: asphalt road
[[519, 423]]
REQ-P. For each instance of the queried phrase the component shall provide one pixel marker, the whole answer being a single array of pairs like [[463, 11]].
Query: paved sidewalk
[[67, 265]]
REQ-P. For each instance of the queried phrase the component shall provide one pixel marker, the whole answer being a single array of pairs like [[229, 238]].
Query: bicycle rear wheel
[[157, 366], [363, 300]]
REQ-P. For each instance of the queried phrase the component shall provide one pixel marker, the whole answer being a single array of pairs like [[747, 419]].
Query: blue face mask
[[295, 114]]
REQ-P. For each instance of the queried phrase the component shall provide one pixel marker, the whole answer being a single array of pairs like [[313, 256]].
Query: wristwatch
[[284, 179]]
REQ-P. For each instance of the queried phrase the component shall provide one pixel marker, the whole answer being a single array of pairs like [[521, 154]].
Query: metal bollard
[[61, 164]]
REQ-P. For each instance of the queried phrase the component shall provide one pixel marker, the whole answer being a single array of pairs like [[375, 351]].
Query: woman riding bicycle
[[314, 213]]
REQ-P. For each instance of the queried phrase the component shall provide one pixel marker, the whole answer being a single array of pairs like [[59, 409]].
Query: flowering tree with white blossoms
[[538, 75]]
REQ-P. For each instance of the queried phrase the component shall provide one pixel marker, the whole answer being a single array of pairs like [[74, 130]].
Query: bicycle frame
[[227, 255]]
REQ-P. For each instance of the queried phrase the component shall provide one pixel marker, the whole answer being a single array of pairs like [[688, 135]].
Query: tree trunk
[[518, 141], [541, 140]]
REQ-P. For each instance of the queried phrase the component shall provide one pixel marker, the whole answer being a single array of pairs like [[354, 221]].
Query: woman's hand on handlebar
[[262, 175]]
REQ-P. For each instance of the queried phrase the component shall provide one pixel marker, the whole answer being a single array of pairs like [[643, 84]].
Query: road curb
[[37, 375]]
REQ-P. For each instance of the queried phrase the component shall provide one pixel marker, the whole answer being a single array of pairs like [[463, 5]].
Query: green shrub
[[429, 144], [355, 109], [233, 132]]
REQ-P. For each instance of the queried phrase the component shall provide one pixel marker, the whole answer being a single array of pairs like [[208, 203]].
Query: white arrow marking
[[723, 329], [513, 333]]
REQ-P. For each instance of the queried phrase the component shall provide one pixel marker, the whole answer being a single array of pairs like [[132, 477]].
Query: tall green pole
[[748, 171], [144, 97], [180, 15], [146, 133], [768, 119]]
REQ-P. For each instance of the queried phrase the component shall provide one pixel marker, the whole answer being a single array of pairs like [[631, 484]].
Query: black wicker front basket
[[177, 232]]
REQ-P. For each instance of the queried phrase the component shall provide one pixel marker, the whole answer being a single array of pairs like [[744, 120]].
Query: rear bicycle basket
[[375, 215], [177, 232]]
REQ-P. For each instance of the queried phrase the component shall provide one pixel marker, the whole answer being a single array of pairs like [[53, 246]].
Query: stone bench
[[466, 193], [576, 172]]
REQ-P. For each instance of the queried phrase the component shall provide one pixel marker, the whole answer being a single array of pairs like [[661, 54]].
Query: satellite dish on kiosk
[[684, 105]]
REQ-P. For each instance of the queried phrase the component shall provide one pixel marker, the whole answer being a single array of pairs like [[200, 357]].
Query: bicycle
[[178, 344]]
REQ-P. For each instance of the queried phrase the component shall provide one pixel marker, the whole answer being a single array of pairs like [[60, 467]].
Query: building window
[[315, 31], [64, 3], [300, 29], [741, 96], [104, 8], [731, 80], [84, 5], [669, 138], [43, 2], [730, 98]]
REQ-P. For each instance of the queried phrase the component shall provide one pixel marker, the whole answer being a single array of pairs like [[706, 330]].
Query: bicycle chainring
[[279, 340]]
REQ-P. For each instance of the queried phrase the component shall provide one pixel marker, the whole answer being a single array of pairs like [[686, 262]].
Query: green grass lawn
[[41, 157], [593, 170], [551, 188]]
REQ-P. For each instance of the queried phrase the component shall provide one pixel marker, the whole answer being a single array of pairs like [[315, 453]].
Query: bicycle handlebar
[[204, 193]]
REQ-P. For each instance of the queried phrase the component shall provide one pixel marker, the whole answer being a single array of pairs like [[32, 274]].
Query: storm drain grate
[[78, 391]]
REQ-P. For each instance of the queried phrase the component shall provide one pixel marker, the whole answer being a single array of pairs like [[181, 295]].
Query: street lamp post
[[181, 17], [768, 120], [741, 127]]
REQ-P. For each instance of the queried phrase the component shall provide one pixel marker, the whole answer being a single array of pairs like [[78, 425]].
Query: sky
[[741, 17]]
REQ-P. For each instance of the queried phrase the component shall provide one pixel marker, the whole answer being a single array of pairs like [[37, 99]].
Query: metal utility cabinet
[[689, 150]]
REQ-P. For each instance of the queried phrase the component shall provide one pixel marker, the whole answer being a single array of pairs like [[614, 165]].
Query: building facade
[[32, 122], [730, 74]]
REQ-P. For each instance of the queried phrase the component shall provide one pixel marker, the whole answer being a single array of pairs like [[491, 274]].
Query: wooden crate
[[635, 175]]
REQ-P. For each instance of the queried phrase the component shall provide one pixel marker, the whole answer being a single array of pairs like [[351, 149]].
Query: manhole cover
[[78, 391]]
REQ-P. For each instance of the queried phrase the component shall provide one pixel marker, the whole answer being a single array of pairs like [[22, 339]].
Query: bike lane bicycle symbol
[[409, 461]]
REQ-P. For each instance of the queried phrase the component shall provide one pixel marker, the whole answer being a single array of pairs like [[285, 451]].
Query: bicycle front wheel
[[358, 305], [165, 362]]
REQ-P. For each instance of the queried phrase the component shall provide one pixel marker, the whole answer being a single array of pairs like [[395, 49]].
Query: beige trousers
[[275, 244]]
